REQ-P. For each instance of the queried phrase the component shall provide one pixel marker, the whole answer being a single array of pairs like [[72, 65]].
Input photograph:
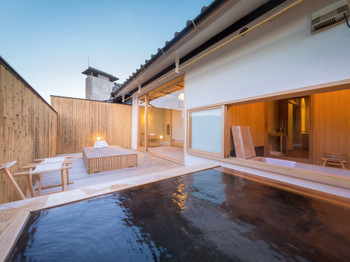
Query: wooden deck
[[79, 176], [172, 152]]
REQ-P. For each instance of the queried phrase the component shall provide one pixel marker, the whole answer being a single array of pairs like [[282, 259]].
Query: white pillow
[[100, 144]]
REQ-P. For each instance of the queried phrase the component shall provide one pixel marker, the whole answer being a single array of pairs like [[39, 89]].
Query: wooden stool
[[334, 159]]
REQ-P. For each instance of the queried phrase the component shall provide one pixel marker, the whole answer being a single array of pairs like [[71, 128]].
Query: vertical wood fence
[[28, 127], [81, 121]]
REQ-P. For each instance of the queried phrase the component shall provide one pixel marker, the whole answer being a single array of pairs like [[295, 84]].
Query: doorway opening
[[161, 121]]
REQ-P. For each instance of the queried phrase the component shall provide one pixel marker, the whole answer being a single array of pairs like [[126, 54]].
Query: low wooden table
[[108, 158], [153, 140], [281, 136]]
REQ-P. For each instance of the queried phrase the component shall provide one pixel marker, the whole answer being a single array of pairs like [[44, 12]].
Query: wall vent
[[329, 15]]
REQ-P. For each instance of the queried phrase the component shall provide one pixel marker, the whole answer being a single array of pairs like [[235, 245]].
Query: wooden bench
[[334, 159], [65, 160], [46, 168], [108, 158]]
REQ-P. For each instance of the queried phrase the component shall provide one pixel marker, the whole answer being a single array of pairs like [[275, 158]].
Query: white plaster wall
[[134, 123], [98, 88], [281, 55]]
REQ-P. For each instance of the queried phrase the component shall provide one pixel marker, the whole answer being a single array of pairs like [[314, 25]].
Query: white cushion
[[53, 160], [47, 168], [100, 144], [280, 162]]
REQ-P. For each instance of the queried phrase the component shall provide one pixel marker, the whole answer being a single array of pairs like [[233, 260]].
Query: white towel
[[44, 168], [53, 160], [280, 162]]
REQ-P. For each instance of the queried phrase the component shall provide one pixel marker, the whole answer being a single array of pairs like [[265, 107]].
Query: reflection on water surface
[[206, 216]]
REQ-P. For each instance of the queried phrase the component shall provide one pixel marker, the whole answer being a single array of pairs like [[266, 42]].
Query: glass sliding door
[[165, 121], [142, 120]]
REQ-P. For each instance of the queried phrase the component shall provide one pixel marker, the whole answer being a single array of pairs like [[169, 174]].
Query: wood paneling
[[81, 121], [158, 119], [177, 142], [252, 115], [28, 128], [177, 125], [243, 143], [330, 114]]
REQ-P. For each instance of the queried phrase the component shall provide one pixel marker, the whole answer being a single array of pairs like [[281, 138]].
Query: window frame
[[199, 152]]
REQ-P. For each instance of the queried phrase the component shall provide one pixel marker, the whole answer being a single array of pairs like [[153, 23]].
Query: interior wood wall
[[330, 116], [28, 129], [330, 123], [81, 121], [252, 115], [177, 125], [158, 119]]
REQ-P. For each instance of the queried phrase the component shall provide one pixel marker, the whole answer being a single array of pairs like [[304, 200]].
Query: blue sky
[[48, 42]]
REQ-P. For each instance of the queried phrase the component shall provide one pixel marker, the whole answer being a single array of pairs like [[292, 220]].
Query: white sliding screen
[[206, 131]]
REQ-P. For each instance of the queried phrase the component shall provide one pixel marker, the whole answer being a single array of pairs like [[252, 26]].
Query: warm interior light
[[181, 96], [98, 138], [160, 137], [303, 118]]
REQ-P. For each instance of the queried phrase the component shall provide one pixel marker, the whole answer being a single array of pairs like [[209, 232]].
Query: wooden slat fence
[[81, 121], [28, 127]]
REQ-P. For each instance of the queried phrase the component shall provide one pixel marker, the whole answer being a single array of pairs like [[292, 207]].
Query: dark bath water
[[206, 216]]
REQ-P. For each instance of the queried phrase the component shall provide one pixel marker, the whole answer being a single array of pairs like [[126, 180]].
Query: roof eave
[[239, 24], [190, 25]]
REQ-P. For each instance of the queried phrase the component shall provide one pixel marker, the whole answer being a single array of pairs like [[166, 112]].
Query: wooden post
[[30, 184], [64, 179], [13, 181]]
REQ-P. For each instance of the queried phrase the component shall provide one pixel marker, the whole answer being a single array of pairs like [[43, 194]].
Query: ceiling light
[[181, 96]]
